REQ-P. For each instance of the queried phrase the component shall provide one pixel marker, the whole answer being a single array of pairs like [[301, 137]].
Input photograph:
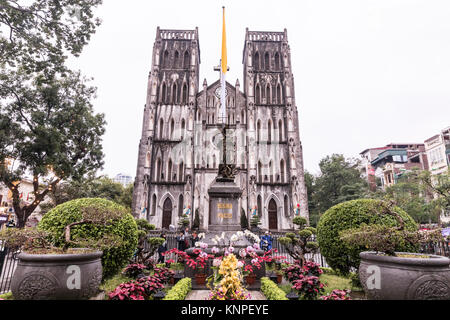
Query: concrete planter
[[396, 278], [57, 276]]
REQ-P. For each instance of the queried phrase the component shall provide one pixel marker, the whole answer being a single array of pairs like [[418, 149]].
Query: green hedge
[[180, 290], [352, 214], [271, 290], [113, 259]]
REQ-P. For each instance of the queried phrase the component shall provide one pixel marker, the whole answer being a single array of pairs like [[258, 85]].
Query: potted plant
[[386, 274], [71, 271]]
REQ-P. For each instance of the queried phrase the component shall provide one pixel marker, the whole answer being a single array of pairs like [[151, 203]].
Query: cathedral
[[180, 149]]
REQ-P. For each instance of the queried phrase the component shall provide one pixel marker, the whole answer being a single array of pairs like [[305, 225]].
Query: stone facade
[[180, 148]]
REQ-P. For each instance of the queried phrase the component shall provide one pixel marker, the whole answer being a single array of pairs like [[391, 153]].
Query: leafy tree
[[48, 129], [339, 181], [439, 186], [90, 187], [38, 34]]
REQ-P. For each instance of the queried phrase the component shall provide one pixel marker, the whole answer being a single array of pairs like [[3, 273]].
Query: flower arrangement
[[311, 268], [228, 281], [337, 295], [309, 287]]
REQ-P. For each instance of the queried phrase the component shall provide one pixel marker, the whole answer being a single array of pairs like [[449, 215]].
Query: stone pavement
[[203, 294]]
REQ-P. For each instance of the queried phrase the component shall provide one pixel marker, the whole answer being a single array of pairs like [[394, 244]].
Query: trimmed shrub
[[271, 291], [352, 214], [114, 258], [180, 290]]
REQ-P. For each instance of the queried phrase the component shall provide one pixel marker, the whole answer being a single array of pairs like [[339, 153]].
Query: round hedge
[[113, 259], [348, 215]]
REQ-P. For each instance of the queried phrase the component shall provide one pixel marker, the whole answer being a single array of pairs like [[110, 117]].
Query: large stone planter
[[57, 276], [395, 278]]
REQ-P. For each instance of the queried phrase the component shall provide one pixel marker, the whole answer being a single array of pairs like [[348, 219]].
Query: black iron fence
[[441, 248], [8, 263]]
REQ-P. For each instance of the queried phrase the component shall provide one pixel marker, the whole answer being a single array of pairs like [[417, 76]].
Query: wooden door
[[273, 215], [167, 214]]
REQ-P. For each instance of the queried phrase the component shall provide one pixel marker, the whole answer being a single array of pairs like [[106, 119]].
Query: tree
[[90, 187], [439, 186], [38, 34], [48, 130], [339, 181]]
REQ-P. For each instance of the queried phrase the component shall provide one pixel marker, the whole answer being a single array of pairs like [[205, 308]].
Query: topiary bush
[[351, 214], [125, 228], [180, 290], [271, 291]]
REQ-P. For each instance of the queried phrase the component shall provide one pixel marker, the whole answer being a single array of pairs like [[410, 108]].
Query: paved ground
[[203, 294]]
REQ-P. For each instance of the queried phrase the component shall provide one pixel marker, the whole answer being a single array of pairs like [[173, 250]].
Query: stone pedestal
[[224, 211]]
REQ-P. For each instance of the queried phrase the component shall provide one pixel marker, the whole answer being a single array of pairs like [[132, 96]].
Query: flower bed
[[180, 290]]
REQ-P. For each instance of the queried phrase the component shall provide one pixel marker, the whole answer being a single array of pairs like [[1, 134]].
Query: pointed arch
[[169, 170], [271, 171], [273, 214], [186, 64], [174, 93], [181, 171], [183, 128], [161, 129], [256, 61], [172, 128], [269, 130], [184, 94], [267, 61], [158, 170], [167, 213], [163, 93], [176, 59], [154, 203], [148, 160], [260, 175], [259, 206], [280, 130], [268, 101], [282, 171], [166, 59], [257, 94], [277, 61], [258, 127], [243, 117], [279, 98]]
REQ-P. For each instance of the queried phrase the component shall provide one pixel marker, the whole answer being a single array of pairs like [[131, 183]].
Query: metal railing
[[8, 263]]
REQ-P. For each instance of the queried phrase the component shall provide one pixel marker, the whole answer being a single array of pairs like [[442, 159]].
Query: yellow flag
[[224, 46]]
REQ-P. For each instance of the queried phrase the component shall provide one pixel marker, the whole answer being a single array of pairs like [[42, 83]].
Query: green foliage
[[271, 291], [244, 220], [38, 34], [90, 187], [305, 233], [312, 229], [7, 296], [255, 221], [110, 284], [180, 290], [50, 129], [156, 242], [352, 214], [299, 221], [285, 241], [381, 238], [113, 259], [183, 222], [290, 235], [339, 180]]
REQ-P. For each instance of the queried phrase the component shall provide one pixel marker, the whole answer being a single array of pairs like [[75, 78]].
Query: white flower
[[240, 234], [217, 262], [234, 238], [240, 264], [231, 249], [215, 250], [197, 244], [214, 241], [256, 245], [223, 235], [242, 253], [201, 235], [203, 245], [254, 261]]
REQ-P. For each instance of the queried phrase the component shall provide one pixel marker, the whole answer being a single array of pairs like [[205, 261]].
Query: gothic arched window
[[268, 94], [286, 206], [161, 129], [258, 127], [169, 170], [176, 60], [277, 61], [186, 60], [280, 130], [258, 95], [172, 129], [166, 59], [183, 126], [279, 94], [174, 94], [282, 171], [158, 170], [269, 130], [259, 206], [267, 61], [153, 205], [184, 94], [181, 171], [256, 62], [260, 175], [163, 93], [180, 205]]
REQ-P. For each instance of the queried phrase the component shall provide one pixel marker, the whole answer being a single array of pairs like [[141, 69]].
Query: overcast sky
[[367, 73]]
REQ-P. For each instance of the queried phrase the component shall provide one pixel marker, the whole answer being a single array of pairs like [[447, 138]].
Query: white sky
[[367, 72]]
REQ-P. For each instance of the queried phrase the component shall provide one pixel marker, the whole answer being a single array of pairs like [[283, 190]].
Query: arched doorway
[[167, 214], [273, 216]]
